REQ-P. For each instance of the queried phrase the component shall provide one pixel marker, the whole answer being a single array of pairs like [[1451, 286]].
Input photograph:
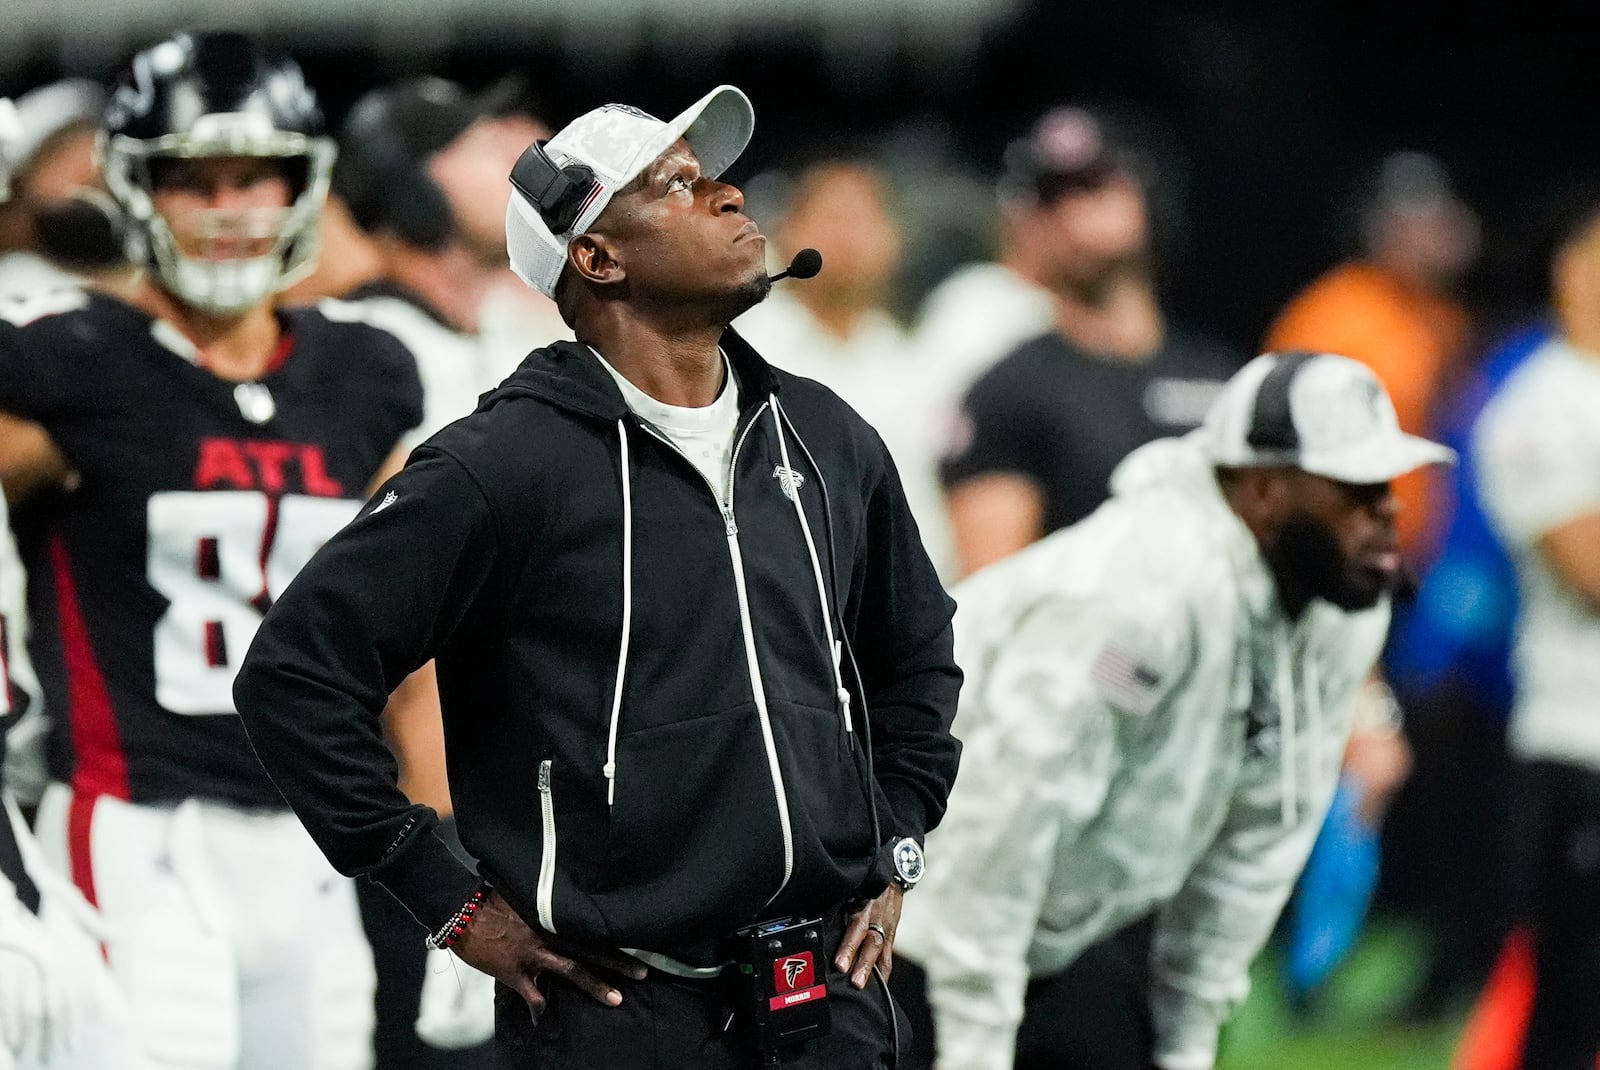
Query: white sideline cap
[[616, 142], [1319, 412]]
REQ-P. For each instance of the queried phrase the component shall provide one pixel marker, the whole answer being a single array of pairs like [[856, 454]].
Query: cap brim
[[1378, 461], [717, 127]]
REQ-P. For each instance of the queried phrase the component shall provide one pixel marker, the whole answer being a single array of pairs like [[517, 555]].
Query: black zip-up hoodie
[[550, 546]]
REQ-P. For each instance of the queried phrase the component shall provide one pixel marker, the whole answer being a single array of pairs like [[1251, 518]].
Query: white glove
[[457, 1007], [38, 1001]]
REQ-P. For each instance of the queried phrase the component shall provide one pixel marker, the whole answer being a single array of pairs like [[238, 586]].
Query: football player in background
[[179, 449], [58, 1005]]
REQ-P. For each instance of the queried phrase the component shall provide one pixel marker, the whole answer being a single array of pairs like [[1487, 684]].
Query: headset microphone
[[806, 263]]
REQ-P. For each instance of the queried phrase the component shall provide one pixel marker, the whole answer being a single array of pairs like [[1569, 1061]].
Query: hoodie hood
[[1165, 464], [1180, 467], [567, 375]]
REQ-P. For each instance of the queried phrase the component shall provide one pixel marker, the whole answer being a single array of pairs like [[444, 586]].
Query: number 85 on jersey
[[220, 558]]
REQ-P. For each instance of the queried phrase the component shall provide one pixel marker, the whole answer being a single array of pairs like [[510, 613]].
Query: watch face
[[908, 861]]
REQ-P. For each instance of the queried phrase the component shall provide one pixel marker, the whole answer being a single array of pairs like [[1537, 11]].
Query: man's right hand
[[505, 947]]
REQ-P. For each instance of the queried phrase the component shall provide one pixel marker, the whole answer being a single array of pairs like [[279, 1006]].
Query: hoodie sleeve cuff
[[896, 810], [901, 813], [428, 879], [1186, 1029]]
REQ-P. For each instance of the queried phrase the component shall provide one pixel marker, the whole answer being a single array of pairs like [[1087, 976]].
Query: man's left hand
[[869, 938]]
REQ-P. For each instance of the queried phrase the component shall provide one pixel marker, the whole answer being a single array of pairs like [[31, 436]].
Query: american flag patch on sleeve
[[1124, 680]]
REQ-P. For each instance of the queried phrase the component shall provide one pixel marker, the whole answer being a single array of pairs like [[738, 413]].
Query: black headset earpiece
[[559, 193]]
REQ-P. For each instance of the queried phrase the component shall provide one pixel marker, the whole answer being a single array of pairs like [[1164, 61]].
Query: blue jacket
[[1459, 627]]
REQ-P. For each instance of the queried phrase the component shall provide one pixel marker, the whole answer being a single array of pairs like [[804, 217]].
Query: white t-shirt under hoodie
[[704, 435]]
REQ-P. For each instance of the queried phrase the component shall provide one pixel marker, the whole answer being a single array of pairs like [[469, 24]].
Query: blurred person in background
[[945, 206], [444, 173], [59, 1007], [1450, 659], [58, 1004], [1537, 446], [21, 770], [347, 257], [1396, 307], [184, 446], [59, 225], [836, 328], [422, 171], [1037, 437], [982, 311], [474, 170], [1455, 653], [57, 228], [1157, 702]]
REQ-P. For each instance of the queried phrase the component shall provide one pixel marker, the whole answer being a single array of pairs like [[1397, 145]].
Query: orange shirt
[[1406, 336]]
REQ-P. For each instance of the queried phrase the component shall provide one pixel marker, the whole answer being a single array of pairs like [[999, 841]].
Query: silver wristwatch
[[908, 863]]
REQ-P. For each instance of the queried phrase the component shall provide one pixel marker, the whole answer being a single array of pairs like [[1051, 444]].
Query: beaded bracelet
[[457, 924]]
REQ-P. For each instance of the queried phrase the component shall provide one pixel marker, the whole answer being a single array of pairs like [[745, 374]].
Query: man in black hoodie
[[695, 665]]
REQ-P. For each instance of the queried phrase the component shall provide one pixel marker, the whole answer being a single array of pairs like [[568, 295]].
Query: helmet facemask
[[260, 251]]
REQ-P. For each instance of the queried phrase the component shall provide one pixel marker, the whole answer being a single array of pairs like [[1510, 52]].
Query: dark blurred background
[[1264, 123], [1260, 115]]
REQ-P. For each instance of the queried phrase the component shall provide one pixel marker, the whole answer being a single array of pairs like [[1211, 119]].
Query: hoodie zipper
[[547, 850], [757, 688]]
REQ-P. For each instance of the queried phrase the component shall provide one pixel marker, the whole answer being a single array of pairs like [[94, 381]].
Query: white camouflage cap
[[1319, 412], [616, 142]]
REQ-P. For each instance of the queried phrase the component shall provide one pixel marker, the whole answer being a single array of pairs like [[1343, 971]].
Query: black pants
[[1446, 842], [400, 958], [668, 1023], [1095, 1015], [1562, 806]]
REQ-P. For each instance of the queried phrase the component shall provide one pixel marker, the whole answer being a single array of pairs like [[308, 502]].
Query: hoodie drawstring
[[1310, 699], [610, 768], [792, 487], [1287, 749], [1311, 686]]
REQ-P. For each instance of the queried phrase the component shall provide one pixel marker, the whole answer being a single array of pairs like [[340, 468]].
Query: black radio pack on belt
[[781, 982]]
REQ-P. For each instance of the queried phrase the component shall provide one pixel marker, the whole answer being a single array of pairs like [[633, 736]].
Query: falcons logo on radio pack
[[793, 972], [792, 968]]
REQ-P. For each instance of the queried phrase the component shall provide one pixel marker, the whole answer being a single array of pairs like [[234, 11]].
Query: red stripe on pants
[[80, 820]]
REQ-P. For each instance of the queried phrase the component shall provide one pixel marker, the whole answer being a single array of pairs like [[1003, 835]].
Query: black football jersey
[[198, 499], [14, 692], [14, 699]]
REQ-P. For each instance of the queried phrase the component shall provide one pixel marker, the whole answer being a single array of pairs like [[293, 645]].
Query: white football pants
[[237, 944]]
